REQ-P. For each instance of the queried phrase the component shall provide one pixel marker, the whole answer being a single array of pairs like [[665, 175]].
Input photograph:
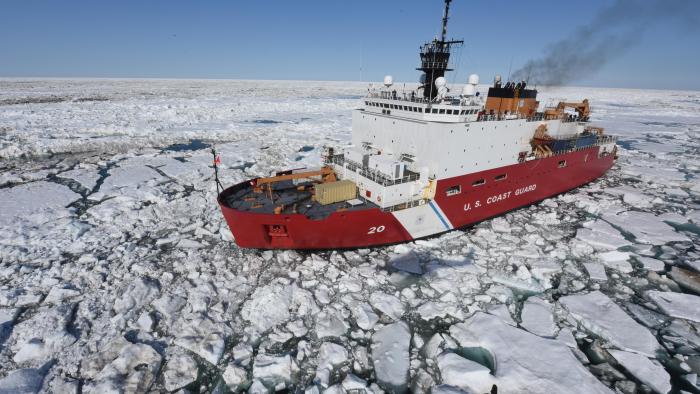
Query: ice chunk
[[596, 271], [33, 199], [134, 370], [646, 227], [387, 304], [330, 357], [274, 371], [390, 356], [617, 261], [21, 381], [602, 236], [180, 370], [601, 316], [407, 262], [58, 294], [235, 377], [680, 305], [537, 317], [466, 374], [268, 306], [43, 335], [650, 264], [331, 323], [363, 314], [523, 362], [202, 336], [686, 279], [135, 295], [648, 372]]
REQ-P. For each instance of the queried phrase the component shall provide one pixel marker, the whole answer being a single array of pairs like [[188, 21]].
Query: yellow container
[[328, 193]]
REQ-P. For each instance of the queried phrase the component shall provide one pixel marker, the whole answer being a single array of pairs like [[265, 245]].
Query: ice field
[[117, 271]]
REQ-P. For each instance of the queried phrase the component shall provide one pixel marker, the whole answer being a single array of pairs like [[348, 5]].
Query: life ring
[[379, 198]]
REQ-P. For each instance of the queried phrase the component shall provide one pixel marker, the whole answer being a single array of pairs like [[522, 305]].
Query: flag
[[217, 160]]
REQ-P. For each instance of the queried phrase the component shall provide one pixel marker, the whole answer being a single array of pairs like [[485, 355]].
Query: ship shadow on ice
[[192, 145]]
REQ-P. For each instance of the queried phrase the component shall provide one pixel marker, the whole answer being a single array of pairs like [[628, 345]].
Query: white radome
[[440, 82], [474, 79], [388, 81], [469, 90]]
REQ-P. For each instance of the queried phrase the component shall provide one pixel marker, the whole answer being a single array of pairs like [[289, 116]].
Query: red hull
[[353, 229]]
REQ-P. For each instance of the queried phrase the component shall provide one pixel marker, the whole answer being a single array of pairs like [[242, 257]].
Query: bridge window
[[454, 190], [478, 182], [501, 177], [442, 110]]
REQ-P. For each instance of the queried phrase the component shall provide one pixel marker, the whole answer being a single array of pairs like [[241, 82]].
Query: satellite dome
[[422, 79], [474, 79], [440, 82], [388, 81], [468, 90]]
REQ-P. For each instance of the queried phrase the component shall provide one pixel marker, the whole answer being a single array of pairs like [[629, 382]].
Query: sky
[[357, 40]]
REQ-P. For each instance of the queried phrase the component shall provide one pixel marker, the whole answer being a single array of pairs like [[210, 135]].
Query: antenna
[[444, 20]]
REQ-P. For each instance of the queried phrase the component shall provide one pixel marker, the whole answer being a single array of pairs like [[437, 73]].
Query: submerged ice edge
[[118, 270]]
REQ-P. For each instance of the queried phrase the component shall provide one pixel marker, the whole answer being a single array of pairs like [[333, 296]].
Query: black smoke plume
[[614, 29]]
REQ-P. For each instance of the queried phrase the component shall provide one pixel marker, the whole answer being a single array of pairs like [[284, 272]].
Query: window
[[501, 177], [454, 190], [366, 102], [420, 109], [478, 182], [562, 163], [442, 110], [449, 112], [434, 110]]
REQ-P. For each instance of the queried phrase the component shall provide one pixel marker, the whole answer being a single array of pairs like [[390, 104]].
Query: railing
[[369, 173], [405, 205]]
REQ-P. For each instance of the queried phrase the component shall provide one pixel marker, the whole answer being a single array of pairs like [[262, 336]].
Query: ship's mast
[[435, 57], [444, 20]]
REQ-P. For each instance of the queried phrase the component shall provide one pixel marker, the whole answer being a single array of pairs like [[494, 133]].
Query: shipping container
[[328, 193]]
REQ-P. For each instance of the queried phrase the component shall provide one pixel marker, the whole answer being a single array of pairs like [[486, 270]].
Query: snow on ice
[[117, 270]]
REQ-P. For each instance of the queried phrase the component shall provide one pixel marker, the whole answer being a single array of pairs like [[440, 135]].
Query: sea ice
[[602, 236], [180, 370], [525, 362], [387, 304], [648, 372], [680, 305], [537, 317], [617, 261], [33, 199], [596, 271], [134, 370], [601, 316], [460, 372], [390, 356], [646, 227], [274, 370]]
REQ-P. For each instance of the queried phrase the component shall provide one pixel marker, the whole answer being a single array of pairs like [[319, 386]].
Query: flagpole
[[217, 161]]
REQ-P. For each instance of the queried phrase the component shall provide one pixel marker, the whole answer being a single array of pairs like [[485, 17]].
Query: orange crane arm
[[326, 173]]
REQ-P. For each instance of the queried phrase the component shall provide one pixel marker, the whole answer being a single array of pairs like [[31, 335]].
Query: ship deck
[[243, 198]]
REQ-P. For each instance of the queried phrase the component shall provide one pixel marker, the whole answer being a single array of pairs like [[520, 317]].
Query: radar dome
[[497, 78], [469, 90], [388, 81], [440, 82], [421, 79], [473, 79]]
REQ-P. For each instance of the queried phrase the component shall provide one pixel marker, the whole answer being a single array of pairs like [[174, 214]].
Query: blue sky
[[319, 40]]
